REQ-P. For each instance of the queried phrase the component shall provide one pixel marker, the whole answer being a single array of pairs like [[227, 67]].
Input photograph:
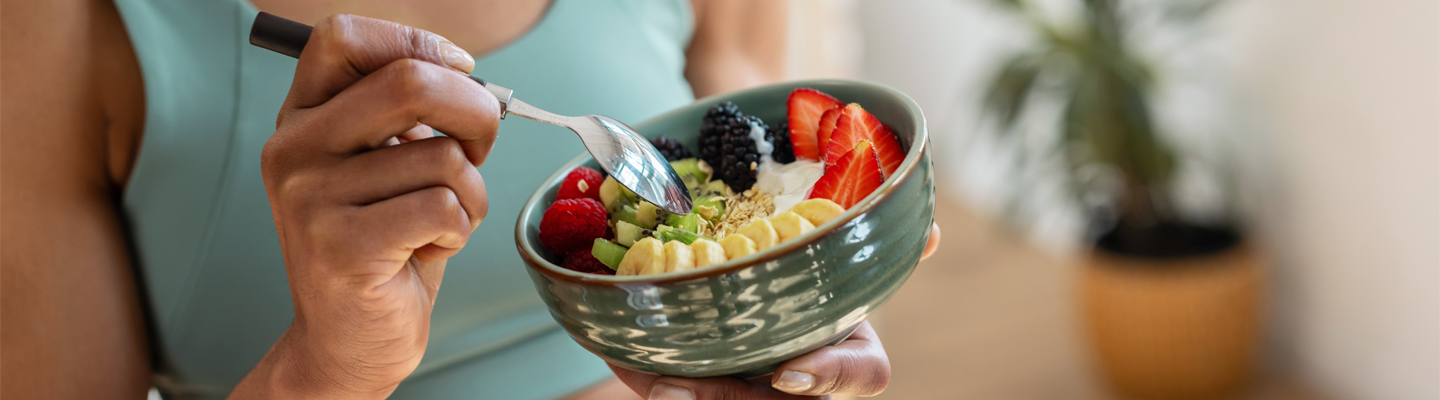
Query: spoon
[[618, 148]]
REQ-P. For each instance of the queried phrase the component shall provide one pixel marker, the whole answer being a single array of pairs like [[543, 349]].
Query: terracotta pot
[[1181, 328]]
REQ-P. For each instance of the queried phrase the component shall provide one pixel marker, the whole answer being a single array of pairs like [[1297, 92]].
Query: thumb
[[654, 387], [672, 388], [856, 366]]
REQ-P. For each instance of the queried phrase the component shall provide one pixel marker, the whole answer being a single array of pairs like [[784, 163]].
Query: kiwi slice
[[608, 252], [648, 215], [711, 194], [714, 188], [611, 194], [689, 222], [689, 171], [626, 234], [626, 213], [667, 233]]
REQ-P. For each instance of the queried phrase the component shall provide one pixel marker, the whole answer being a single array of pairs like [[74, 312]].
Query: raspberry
[[581, 183], [572, 224], [582, 261]]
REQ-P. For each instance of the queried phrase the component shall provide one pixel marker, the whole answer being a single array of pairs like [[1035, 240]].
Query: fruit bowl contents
[[746, 315], [754, 186]]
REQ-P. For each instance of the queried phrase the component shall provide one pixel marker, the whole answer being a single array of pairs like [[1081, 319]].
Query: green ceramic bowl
[[746, 316]]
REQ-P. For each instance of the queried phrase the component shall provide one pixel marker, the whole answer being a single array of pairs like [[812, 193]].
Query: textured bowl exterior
[[748, 315]]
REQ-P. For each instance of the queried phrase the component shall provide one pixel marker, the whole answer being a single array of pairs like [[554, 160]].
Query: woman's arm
[[737, 44], [70, 107], [365, 259]]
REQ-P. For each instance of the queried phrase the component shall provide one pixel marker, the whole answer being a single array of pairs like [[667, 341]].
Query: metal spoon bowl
[[619, 150], [623, 153]]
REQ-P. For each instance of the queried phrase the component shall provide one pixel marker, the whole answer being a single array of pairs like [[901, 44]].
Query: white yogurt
[[789, 183], [762, 146]]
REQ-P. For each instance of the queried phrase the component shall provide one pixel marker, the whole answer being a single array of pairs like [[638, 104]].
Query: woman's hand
[[858, 365], [368, 204]]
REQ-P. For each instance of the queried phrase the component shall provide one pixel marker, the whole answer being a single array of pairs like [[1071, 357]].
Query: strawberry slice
[[827, 127], [853, 176], [804, 108], [841, 141], [856, 124]]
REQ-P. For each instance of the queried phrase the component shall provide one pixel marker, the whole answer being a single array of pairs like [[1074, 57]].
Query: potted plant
[[1171, 305]]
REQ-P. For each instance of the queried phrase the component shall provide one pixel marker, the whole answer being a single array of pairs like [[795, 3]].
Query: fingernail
[[795, 381], [670, 392], [456, 57]]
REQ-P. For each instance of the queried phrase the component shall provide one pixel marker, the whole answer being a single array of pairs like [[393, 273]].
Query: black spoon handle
[[288, 37]]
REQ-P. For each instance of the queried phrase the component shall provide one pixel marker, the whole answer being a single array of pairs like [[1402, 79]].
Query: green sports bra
[[200, 221]]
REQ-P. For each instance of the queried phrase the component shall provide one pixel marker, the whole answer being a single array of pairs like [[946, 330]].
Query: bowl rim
[[919, 145]]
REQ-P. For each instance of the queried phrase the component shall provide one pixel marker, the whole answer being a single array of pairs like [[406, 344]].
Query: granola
[[740, 210]]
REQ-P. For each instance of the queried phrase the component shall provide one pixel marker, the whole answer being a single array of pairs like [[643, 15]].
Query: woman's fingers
[[370, 80], [856, 366], [344, 48], [429, 223], [933, 243], [393, 100], [653, 387], [672, 388], [420, 131], [406, 92], [406, 167]]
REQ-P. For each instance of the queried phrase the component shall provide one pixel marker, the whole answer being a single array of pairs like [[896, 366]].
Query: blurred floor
[[989, 317]]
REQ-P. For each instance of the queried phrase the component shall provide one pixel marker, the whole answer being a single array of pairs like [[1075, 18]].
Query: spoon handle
[[288, 37]]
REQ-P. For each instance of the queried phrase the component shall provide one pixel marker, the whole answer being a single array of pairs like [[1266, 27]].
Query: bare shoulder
[[71, 312], [70, 62]]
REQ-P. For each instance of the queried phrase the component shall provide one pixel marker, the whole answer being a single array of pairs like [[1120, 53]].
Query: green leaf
[[1005, 98], [1151, 160], [1188, 11], [1012, 4]]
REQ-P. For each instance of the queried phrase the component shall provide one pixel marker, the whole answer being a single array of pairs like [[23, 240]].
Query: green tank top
[[205, 240]]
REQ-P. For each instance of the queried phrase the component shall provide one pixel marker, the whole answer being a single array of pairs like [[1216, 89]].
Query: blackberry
[[671, 149], [780, 135], [726, 145]]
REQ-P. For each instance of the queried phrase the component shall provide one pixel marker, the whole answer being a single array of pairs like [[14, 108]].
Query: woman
[[148, 183]]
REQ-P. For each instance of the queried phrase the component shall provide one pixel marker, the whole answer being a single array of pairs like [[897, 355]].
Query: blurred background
[[1310, 128]]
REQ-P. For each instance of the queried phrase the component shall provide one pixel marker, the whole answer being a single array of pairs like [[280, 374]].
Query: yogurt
[[789, 183]]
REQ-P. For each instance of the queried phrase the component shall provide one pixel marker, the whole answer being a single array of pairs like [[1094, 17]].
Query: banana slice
[[678, 256], [762, 232], [817, 211], [707, 253], [646, 256], [737, 246], [790, 225]]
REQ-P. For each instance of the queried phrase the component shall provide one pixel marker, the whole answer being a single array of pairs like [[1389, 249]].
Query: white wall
[[1336, 111], [1349, 94]]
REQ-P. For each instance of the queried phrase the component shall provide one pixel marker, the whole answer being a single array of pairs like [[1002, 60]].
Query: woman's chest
[[478, 26]]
